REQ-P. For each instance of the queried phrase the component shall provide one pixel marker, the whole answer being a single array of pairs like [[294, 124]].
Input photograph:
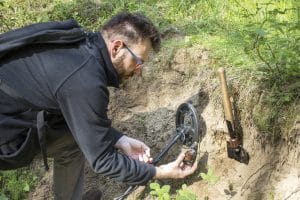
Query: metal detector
[[187, 132]]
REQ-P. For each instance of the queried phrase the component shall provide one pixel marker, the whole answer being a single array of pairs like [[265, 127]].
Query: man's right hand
[[176, 169]]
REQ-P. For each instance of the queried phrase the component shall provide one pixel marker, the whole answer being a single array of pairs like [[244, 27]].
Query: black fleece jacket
[[71, 80]]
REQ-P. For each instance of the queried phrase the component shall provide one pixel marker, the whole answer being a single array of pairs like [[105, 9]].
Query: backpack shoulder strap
[[41, 33]]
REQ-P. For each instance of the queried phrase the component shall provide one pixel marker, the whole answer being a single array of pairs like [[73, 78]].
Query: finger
[[145, 158], [150, 160], [190, 169], [181, 165], [141, 158], [147, 151], [180, 158]]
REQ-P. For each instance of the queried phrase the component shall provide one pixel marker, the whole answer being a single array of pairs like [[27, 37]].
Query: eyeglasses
[[138, 61]]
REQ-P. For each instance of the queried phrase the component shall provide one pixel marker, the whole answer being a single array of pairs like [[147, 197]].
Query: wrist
[[160, 173], [117, 135], [157, 173], [121, 142]]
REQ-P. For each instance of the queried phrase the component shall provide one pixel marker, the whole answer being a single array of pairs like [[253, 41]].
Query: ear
[[115, 47]]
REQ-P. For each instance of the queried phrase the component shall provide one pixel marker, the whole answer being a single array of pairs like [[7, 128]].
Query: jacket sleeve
[[83, 102]]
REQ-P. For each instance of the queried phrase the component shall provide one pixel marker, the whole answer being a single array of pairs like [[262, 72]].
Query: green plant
[[185, 194], [271, 38], [162, 193], [15, 184], [210, 178]]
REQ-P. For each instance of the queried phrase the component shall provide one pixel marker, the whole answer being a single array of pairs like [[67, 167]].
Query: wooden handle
[[226, 100]]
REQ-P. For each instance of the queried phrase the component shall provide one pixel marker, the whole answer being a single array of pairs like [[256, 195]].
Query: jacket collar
[[113, 78]]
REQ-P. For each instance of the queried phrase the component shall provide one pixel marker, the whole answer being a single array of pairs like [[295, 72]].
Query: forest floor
[[145, 108]]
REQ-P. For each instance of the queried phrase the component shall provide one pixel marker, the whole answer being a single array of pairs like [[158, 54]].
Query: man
[[63, 89]]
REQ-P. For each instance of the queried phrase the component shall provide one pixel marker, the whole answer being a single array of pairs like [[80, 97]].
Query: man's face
[[128, 59]]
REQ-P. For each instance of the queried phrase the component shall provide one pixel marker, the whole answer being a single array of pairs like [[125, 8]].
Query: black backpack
[[41, 33], [19, 150]]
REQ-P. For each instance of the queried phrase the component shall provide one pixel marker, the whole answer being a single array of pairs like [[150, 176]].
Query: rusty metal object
[[191, 154]]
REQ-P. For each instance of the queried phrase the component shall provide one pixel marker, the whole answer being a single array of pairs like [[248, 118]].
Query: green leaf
[[26, 187], [185, 194], [166, 188], [154, 186], [210, 178], [213, 179], [210, 172], [260, 32], [203, 176], [166, 196], [153, 192]]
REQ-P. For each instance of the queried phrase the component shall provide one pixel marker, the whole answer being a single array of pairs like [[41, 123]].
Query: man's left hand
[[134, 148]]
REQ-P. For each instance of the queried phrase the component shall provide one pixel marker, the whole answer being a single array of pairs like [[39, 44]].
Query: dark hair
[[134, 26]]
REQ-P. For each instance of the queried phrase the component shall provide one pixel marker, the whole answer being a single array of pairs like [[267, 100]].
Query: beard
[[119, 66]]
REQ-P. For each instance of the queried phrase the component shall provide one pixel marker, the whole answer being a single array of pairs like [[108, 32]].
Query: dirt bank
[[145, 109]]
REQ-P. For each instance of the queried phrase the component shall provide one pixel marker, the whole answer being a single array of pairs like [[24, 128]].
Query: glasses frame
[[138, 61]]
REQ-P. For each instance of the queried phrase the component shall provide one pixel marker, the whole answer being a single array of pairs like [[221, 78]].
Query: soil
[[145, 108]]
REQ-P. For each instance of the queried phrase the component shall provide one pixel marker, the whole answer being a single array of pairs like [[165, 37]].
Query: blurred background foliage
[[260, 37]]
